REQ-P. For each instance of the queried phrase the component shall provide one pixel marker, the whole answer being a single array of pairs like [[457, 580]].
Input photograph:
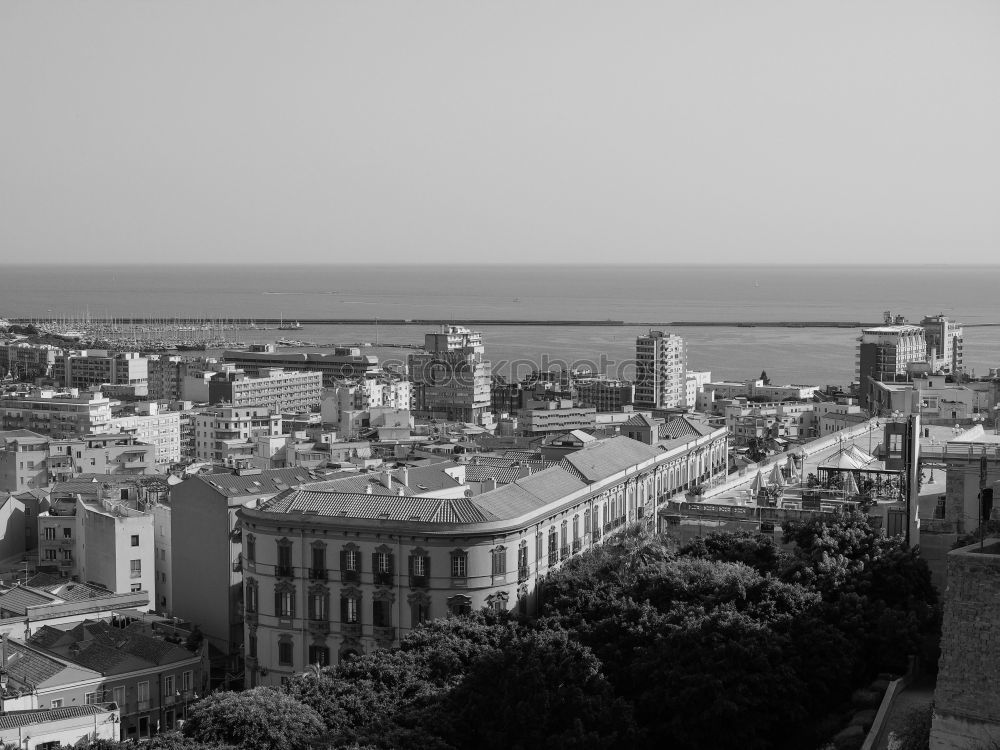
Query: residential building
[[604, 394], [140, 666], [693, 384], [344, 363], [451, 379], [542, 418], [944, 339], [153, 425], [166, 377], [781, 421], [931, 396], [273, 387], [330, 573], [101, 533], [24, 361], [661, 371], [95, 367], [227, 434], [109, 453], [59, 414], [349, 404], [884, 353], [72, 726], [23, 457]]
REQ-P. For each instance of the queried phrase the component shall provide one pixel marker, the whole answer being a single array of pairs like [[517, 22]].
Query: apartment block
[[228, 433], [155, 426], [274, 387], [885, 353], [58, 414], [451, 379], [24, 361], [95, 367], [661, 371]]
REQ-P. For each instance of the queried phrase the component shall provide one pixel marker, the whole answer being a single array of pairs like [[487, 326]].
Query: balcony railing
[[319, 626], [350, 629], [284, 571], [317, 574], [418, 582], [144, 705], [564, 551], [597, 534], [382, 578], [522, 574], [577, 546], [350, 576]]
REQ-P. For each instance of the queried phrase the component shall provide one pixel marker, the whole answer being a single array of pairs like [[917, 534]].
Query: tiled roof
[[15, 719], [604, 458], [390, 507], [530, 493], [686, 426], [267, 481], [74, 592], [29, 667], [499, 474], [107, 649], [19, 598], [639, 420]]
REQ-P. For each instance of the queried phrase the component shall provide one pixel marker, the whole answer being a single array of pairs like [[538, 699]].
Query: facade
[[23, 457], [347, 404], [72, 726], [451, 380], [104, 537], [695, 381], [114, 453], [156, 427], [274, 387], [330, 573], [24, 361], [884, 352], [344, 363], [783, 419], [59, 414], [140, 666], [166, 377], [931, 396], [944, 343], [555, 417], [603, 394], [227, 434], [95, 367], [661, 371]]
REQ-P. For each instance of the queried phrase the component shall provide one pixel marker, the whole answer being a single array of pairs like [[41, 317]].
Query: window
[[251, 595], [349, 609], [50, 554], [459, 605], [382, 613], [420, 609], [319, 655], [67, 554], [90, 698], [318, 599], [553, 546], [350, 563], [135, 540], [168, 686], [318, 562], [284, 567], [118, 696], [251, 548], [136, 587], [522, 561], [382, 567], [187, 679], [500, 561], [285, 653], [143, 688], [459, 564], [252, 644], [284, 603], [50, 533], [135, 568], [57, 703]]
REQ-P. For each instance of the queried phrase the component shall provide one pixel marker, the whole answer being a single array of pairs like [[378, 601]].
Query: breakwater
[[266, 322]]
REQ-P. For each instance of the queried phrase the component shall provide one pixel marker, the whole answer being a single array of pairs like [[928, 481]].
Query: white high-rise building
[[661, 377]]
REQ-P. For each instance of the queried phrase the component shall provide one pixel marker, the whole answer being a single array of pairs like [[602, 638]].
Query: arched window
[[382, 566], [419, 568], [522, 561], [251, 595], [284, 567], [319, 603], [420, 607], [350, 606], [497, 602], [250, 547], [284, 600]]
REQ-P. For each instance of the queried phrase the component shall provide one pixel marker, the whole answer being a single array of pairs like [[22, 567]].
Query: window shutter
[[410, 564], [343, 609], [343, 559], [427, 566], [375, 562], [392, 563], [277, 603]]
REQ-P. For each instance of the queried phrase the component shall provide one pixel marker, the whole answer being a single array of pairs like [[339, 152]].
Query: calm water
[[643, 295]]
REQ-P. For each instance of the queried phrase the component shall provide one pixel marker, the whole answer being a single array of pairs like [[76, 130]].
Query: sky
[[367, 131]]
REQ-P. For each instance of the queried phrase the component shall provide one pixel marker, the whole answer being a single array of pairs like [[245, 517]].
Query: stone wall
[[967, 699]]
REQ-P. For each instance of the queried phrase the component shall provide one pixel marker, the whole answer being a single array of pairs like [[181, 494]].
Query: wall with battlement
[[966, 699]]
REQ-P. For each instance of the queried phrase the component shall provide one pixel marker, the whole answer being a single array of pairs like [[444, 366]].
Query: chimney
[[406, 475], [368, 489], [387, 479]]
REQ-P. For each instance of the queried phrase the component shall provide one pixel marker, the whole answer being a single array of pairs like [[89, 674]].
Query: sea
[[668, 297]]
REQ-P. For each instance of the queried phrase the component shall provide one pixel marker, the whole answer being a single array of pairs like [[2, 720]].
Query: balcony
[[419, 582], [284, 571], [564, 551], [319, 627], [350, 576], [317, 574], [67, 542], [597, 534], [350, 629], [385, 634], [577, 546], [522, 574], [382, 578]]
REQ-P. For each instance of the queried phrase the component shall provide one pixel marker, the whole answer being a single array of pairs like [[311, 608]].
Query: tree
[[764, 377], [542, 690], [258, 719], [756, 550]]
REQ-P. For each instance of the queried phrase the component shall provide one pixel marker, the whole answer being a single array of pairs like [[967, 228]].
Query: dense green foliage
[[731, 641]]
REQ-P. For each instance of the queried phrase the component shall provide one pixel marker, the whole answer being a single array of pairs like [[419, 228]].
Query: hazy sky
[[500, 130]]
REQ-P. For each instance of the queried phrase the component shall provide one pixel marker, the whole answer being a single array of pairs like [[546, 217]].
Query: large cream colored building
[[227, 434], [59, 414], [329, 572]]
